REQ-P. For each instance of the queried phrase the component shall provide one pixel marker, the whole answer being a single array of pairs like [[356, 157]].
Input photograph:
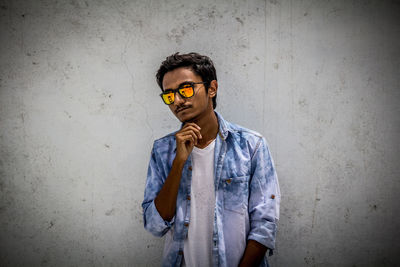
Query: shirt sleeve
[[153, 222], [264, 199]]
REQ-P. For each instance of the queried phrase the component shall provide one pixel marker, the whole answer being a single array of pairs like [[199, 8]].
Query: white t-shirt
[[197, 248]]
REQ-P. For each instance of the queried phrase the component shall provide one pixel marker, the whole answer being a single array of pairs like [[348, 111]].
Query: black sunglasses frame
[[177, 91]]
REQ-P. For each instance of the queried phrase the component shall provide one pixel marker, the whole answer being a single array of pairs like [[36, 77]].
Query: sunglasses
[[186, 90]]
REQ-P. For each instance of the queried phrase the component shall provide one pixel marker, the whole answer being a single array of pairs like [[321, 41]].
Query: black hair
[[199, 64]]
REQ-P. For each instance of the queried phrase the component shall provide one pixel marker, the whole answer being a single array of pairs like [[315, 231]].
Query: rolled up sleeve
[[153, 222], [264, 199]]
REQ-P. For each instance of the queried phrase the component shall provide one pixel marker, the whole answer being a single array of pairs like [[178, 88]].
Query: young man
[[211, 186]]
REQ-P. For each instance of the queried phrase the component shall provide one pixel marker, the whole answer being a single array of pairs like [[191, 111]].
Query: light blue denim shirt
[[247, 195]]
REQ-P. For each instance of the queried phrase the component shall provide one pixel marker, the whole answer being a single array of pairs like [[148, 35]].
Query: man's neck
[[209, 128]]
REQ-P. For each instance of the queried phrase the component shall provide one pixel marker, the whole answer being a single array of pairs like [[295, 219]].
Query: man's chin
[[186, 118]]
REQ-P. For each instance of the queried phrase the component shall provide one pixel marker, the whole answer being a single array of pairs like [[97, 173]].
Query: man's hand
[[253, 254], [186, 139]]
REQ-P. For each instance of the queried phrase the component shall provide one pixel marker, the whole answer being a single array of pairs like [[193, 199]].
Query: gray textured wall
[[79, 110]]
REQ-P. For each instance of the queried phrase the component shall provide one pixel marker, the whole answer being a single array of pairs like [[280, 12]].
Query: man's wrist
[[179, 162], [254, 253]]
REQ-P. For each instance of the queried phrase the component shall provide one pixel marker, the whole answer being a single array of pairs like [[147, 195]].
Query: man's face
[[187, 109]]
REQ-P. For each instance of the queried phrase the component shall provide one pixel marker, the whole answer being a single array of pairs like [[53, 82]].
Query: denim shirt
[[247, 196]]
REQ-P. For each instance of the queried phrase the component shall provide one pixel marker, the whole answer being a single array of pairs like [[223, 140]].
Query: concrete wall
[[79, 110]]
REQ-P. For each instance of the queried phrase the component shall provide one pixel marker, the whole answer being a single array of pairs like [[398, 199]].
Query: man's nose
[[178, 99]]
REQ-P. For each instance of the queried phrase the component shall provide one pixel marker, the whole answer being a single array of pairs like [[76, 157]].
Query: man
[[211, 186]]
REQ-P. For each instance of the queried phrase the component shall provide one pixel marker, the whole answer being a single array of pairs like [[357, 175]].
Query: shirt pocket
[[236, 193]]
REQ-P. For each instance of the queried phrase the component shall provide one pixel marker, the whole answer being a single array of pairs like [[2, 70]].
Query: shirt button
[[190, 168], [229, 180], [272, 196], [188, 197], [186, 224]]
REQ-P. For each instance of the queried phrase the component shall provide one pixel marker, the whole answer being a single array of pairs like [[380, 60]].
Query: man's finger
[[192, 129], [191, 124], [193, 135], [188, 137]]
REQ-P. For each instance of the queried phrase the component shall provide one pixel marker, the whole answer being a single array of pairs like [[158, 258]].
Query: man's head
[[179, 74], [199, 64]]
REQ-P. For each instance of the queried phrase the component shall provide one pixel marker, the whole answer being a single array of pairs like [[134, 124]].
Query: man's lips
[[180, 109]]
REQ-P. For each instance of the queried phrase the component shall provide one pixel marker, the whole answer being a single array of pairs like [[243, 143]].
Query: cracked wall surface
[[79, 111]]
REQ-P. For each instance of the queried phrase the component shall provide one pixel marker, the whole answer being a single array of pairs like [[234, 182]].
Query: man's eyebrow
[[182, 83]]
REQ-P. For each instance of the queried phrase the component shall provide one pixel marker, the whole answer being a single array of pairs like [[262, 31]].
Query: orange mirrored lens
[[168, 98], [186, 91]]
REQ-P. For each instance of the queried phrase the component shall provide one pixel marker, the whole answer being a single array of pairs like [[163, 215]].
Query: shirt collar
[[224, 128]]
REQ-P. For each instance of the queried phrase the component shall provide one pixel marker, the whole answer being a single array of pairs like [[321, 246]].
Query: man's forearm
[[165, 201], [253, 254]]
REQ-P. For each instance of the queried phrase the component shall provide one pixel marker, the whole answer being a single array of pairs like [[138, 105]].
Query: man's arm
[[159, 204], [264, 201], [165, 201]]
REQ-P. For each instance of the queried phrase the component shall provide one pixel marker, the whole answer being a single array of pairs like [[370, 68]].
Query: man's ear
[[213, 88]]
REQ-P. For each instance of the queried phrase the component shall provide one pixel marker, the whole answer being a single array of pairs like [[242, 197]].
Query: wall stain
[[315, 206], [347, 215], [303, 102], [51, 224], [335, 12], [176, 35], [2, 187], [373, 207], [110, 212], [240, 21], [69, 115], [309, 259]]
